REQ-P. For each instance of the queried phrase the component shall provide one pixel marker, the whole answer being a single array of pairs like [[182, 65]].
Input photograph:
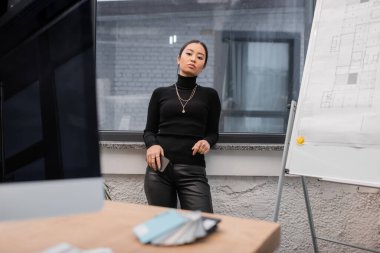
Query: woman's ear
[[178, 57]]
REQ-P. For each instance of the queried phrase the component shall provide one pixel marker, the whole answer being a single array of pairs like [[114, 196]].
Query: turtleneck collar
[[184, 82]]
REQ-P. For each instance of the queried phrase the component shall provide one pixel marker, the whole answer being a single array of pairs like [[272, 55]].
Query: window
[[261, 75], [256, 54]]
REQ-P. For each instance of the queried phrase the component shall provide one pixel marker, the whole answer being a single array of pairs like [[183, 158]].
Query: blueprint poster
[[341, 83], [336, 132]]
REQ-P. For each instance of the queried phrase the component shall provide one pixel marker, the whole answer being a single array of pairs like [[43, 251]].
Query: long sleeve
[[153, 119], [212, 130]]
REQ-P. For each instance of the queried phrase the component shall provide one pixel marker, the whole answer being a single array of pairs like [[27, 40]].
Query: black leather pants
[[188, 181]]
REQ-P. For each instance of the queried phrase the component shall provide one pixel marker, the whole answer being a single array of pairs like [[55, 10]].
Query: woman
[[182, 125]]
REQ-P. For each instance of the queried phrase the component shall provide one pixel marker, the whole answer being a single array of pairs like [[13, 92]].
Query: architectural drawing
[[339, 100], [338, 111], [358, 52]]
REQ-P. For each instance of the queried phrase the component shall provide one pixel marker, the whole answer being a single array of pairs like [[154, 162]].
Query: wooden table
[[112, 227]]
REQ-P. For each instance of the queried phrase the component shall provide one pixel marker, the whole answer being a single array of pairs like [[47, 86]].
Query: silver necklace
[[185, 101]]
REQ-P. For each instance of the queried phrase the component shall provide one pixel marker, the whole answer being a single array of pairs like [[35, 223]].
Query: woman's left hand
[[201, 147]]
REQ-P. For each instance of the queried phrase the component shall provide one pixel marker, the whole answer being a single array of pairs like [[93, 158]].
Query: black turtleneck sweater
[[177, 132]]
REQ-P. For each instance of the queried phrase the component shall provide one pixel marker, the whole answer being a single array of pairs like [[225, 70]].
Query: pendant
[[183, 110]]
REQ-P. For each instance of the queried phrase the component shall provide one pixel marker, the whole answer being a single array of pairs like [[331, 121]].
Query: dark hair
[[198, 42]]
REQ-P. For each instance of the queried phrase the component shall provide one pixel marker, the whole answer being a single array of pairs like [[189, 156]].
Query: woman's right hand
[[153, 156]]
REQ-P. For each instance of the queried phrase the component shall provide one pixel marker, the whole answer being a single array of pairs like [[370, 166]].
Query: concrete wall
[[341, 212]]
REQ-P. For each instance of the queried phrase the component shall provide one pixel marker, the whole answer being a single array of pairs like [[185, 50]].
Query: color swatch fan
[[173, 228]]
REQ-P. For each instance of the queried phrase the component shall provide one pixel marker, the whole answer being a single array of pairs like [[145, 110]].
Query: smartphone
[[164, 163]]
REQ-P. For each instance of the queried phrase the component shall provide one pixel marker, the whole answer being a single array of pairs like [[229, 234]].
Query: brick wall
[[134, 54]]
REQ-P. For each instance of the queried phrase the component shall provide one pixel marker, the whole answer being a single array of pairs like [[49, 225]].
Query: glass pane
[[257, 84], [251, 124], [267, 76], [138, 42]]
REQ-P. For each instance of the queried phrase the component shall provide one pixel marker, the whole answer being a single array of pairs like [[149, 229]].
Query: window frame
[[294, 42], [294, 45], [137, 136]]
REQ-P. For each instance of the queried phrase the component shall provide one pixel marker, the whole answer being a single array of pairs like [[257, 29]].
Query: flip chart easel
[[334, 133], [285, 171]]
